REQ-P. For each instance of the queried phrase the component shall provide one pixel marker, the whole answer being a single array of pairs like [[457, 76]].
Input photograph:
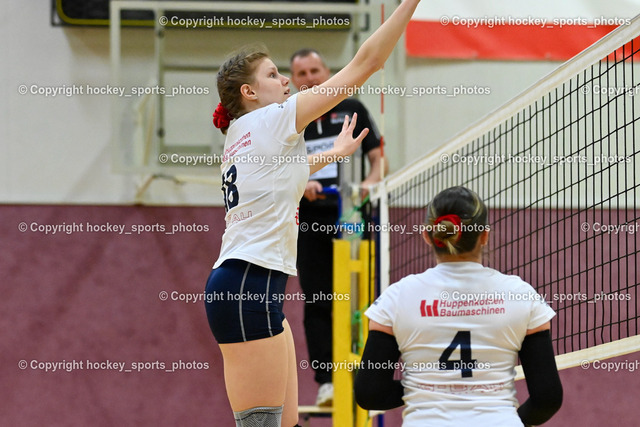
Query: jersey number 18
[[229, 189]]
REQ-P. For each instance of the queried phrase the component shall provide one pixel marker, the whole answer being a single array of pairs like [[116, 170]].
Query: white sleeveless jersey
[[459, 327], [264, 173]]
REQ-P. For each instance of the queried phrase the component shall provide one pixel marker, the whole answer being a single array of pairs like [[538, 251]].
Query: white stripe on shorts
[[267, 304], [244, 278]]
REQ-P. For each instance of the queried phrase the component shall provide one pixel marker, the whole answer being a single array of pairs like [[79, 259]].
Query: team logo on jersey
[[428, 310], [452, 308], [237, 217]]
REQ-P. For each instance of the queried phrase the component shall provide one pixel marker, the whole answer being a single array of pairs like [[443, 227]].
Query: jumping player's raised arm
[[370, 57]]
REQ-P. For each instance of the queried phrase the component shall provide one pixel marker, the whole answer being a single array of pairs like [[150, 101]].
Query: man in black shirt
[[315, 248]]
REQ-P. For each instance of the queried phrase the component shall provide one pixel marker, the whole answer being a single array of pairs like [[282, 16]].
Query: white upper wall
[[58, 149]]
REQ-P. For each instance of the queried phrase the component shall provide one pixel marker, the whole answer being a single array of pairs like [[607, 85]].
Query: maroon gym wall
[[96, 296]]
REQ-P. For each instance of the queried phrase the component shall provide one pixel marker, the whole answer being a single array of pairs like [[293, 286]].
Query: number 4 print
[[229, 189], [466, 364]]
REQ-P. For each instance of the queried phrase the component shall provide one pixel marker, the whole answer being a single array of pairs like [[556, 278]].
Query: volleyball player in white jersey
[[459, 328], [263, 181]]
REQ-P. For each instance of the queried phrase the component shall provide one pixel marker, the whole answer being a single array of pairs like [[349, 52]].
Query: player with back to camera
[[315, 246], [459, 328], [245, 290]]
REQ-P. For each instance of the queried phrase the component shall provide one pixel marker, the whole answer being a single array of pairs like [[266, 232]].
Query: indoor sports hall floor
[[96, 297]]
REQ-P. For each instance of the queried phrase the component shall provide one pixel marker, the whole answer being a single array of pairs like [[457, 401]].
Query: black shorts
[[244, 301]]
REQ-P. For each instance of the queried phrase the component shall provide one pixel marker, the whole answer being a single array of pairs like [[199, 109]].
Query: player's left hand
[[345, 144]]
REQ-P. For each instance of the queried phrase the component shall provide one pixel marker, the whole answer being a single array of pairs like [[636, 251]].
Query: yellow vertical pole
[[365, 293], [343, 356], [342, 378]]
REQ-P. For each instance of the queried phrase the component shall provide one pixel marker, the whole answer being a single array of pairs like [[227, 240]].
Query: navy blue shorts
[[244, 301]]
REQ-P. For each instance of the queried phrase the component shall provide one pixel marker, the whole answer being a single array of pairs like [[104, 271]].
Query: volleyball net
[[558, 167]]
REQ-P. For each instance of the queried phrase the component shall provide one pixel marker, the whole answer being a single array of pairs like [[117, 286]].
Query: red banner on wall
[[513, 30]]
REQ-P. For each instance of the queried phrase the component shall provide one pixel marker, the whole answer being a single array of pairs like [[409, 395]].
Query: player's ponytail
[[455, 218], [236, 71]]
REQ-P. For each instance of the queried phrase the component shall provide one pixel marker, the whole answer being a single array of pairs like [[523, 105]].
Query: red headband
[[455, 220], [221, 117]]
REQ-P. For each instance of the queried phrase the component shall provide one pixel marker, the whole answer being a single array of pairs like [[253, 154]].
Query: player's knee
[[261, 416], [290, 420]]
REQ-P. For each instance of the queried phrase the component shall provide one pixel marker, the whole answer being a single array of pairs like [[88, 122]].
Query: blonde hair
[[447, 236], [236, 71]]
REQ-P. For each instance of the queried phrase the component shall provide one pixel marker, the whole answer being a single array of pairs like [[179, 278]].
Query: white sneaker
[[325, 395]]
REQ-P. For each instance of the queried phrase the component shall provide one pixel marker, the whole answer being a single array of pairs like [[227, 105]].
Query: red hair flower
[[455, 220], [221, 117]]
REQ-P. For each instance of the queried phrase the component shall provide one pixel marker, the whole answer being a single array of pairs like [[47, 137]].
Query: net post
[[380, 192]]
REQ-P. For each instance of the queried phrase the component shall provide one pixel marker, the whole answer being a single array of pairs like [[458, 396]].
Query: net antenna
[[557, 167]]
